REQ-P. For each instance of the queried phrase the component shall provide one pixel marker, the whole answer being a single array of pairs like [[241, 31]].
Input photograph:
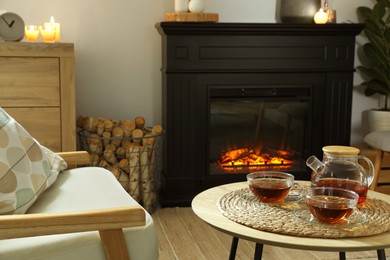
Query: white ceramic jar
[[181, 6], [196, 6]]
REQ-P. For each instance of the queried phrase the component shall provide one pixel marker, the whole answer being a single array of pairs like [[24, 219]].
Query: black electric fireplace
[[240, 98], [253, 128]]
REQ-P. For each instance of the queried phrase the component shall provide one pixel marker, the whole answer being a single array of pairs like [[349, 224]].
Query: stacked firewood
[[128, 149]]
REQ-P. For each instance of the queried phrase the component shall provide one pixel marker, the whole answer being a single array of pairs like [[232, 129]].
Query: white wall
[[118, 49]]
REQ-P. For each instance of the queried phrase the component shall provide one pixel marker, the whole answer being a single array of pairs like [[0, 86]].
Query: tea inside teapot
[[340, 168]]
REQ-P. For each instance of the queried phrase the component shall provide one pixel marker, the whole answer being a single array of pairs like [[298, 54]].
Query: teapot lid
[[340, 150]]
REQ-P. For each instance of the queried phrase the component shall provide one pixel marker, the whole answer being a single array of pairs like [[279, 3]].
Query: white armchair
[[85, 214]]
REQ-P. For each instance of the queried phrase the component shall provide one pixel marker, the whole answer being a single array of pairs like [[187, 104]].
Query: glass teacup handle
[[370, 175], [296, 193]]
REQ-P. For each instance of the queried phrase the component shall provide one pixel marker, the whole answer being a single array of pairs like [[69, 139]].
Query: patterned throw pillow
[[26, 167]]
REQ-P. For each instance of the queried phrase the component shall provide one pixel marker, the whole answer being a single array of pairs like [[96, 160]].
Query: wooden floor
[[182, 235]]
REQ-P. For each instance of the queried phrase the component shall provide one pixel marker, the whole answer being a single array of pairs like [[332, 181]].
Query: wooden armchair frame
[[109, 222]]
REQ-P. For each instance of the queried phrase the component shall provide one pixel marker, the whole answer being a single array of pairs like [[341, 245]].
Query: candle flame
[[52, 19]]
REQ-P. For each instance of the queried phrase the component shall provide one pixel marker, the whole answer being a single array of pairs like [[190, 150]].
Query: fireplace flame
[[249, 158]]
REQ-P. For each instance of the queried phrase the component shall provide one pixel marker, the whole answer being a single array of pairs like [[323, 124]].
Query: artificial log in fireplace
[[243, 97]]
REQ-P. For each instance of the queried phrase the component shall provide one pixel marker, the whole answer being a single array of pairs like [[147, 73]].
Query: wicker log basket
[[130, 150]]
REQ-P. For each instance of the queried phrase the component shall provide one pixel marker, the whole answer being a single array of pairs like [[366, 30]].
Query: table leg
[[258, 251], [233, 248], [342, 256], [381, 254]]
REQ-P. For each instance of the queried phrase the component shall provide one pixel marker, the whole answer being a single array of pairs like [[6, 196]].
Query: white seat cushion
[[82, 189], [379, 140]]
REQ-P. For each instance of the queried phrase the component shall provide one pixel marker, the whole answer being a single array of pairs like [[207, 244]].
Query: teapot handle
[[370, 176]]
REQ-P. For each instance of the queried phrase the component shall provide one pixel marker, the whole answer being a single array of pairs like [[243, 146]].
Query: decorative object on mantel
[[331, 16], [190, 11], [321, 17], [129, 149], [196, 6], [377, 51], [181, 6], [298, 11], [192, 17], [330, 12]]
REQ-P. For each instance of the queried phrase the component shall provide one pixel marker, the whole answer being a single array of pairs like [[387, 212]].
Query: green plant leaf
[[377, 50], [386, 34], [376, 72], [379, 11], [373, 27], [376, 55], [364, 11], [373, 86]]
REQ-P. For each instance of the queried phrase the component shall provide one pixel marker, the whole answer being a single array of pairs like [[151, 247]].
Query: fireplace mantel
[[199, 55]]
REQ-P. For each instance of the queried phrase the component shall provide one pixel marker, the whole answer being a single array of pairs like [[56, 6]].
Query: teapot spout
[[314, 163]]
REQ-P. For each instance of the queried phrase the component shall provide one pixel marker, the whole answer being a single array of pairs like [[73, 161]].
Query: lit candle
[[31, 33], [56, 27], [321, 17], [48, 33]]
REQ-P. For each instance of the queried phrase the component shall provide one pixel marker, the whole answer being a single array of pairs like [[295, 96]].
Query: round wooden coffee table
[[205, 206]]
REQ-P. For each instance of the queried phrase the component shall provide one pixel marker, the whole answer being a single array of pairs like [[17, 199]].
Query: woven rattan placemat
[[241, 206]]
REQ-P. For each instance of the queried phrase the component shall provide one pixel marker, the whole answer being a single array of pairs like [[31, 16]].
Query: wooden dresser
[[37, 88]]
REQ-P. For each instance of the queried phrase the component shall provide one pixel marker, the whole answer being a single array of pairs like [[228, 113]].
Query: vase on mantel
[[181, 6], [196, 6], [298, 11]]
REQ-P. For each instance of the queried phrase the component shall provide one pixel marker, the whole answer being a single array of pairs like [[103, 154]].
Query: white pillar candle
[[56, 27]]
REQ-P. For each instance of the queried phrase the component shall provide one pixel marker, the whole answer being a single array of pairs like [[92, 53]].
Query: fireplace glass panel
[[250, 134]]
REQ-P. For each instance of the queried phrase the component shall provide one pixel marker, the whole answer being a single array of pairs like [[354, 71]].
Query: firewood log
[[139, 122], [120, 153], [109, 154], [124, 165], [95, 160], [124, 180], [93, 139], [148, 139], [106, 138], [90, 124], [100, 128], [148, 190], [116, 123], [134, 173], [108, 125], [96, 148], [117, 132], [126, 144], [128, 126], [137, 135], [157, 129], [80, 121], [104, 164]]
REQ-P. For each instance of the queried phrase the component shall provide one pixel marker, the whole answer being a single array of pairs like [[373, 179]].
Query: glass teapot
[[340, 168]]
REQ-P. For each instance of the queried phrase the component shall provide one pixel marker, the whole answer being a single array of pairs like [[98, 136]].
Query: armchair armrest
[[26, 225], [75, 158], [109, 223]]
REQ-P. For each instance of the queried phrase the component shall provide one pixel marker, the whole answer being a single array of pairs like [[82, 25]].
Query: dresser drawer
[[28, 81], [44, 124]]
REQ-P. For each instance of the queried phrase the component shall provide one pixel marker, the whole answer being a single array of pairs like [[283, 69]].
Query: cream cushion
[[379, 140], [26, 168], [82, 189]]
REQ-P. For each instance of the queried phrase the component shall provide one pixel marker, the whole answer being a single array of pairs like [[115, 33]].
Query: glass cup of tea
[[271, 186], [332, 205]]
